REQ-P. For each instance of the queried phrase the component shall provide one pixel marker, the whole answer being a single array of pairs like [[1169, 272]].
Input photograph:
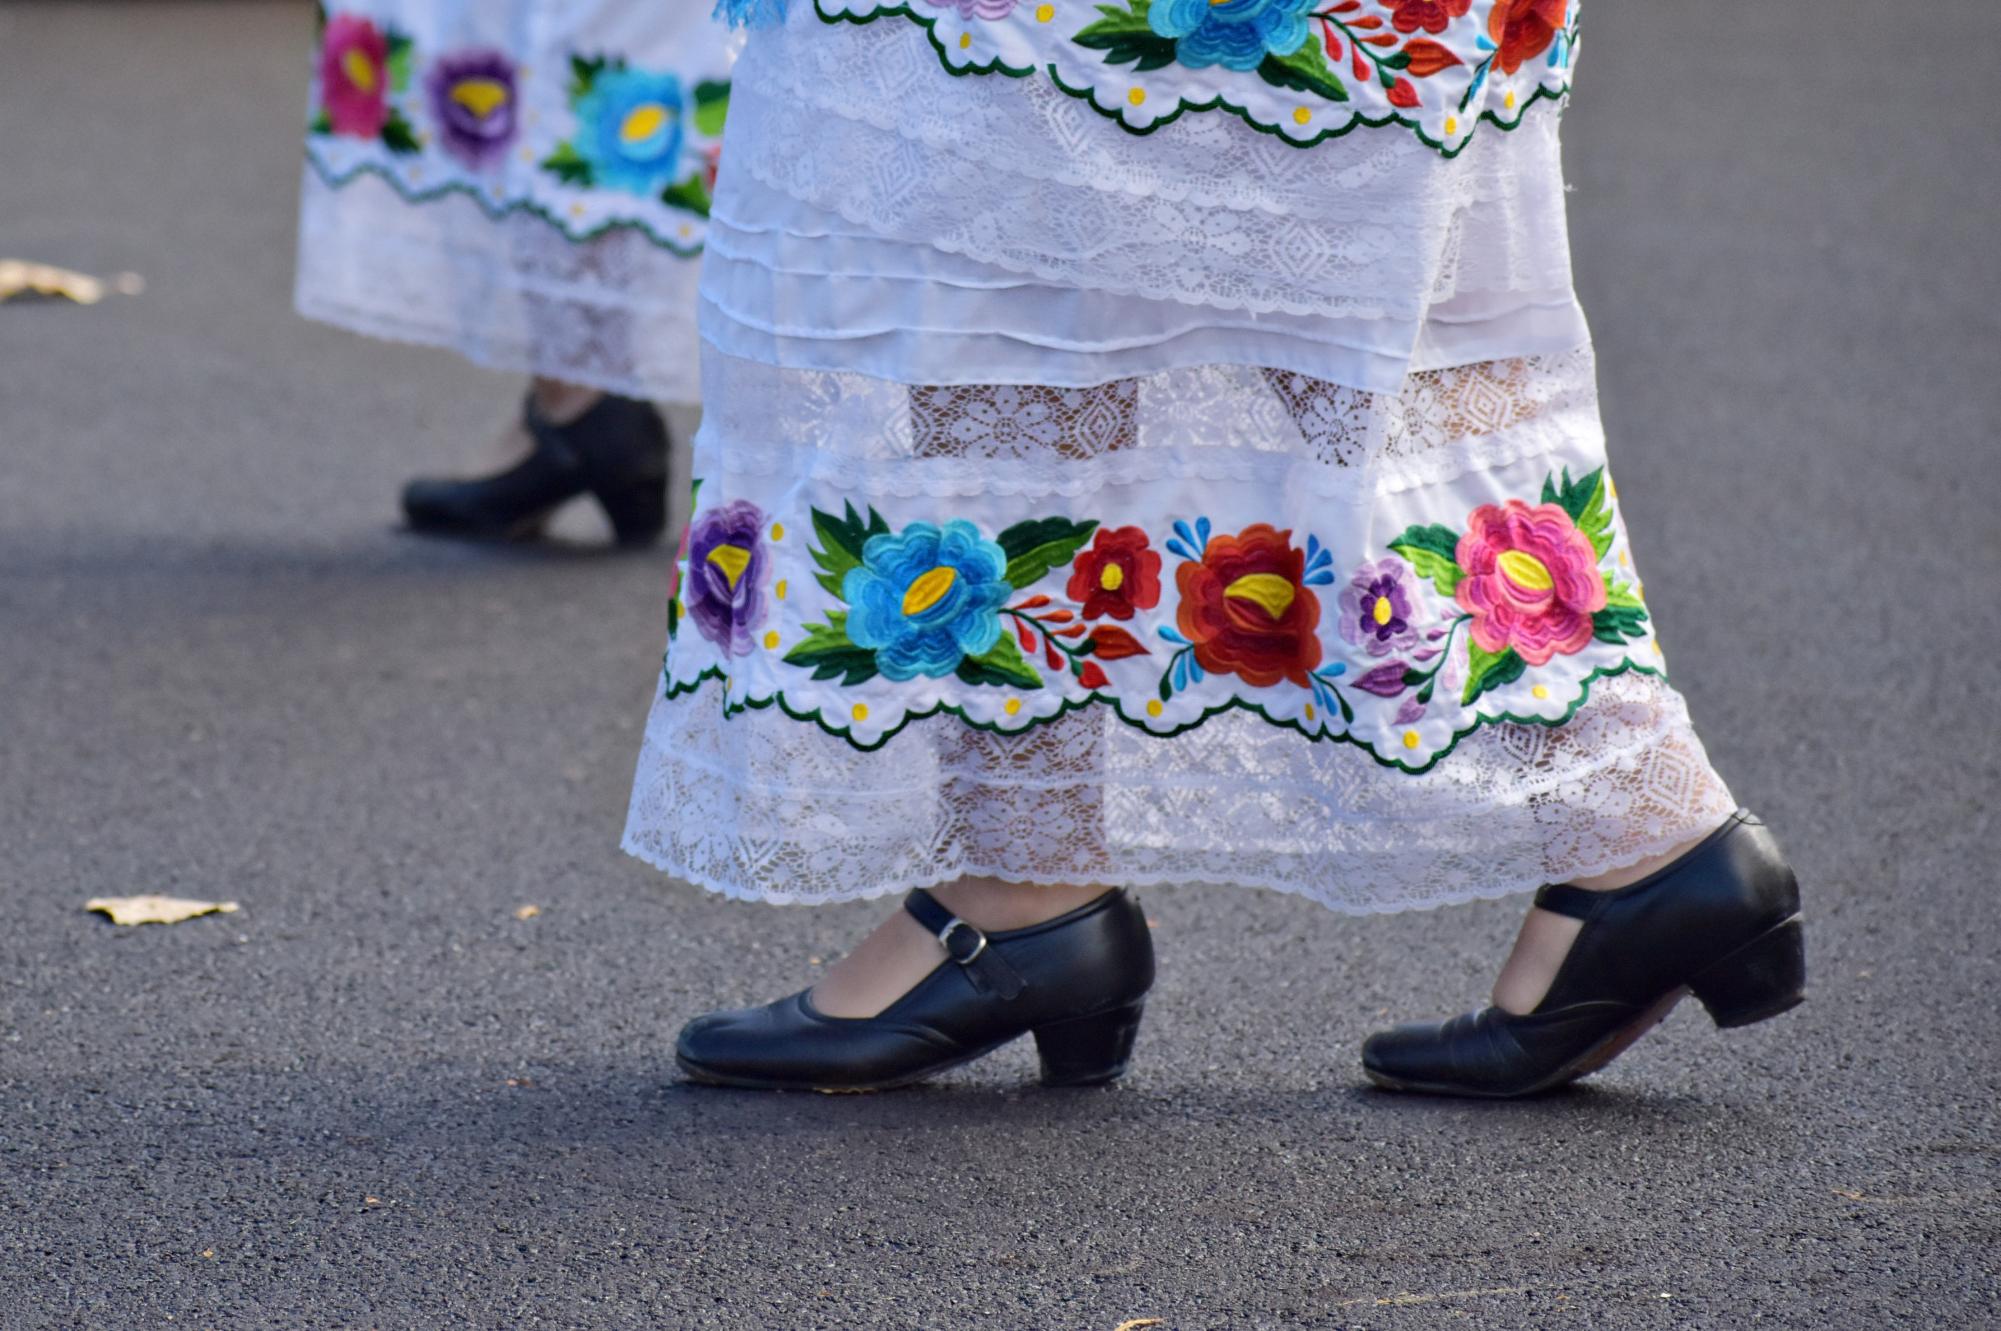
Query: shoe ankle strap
[[966, 945], [1563, 899]]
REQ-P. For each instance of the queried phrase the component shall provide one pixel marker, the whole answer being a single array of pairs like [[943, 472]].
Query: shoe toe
[[1402, 1053]]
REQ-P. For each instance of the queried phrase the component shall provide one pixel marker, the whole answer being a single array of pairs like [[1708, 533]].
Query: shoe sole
[[1591, 1060], [700, 1075]]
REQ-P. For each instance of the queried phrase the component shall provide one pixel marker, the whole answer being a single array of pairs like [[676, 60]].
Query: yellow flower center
[[1525, 571], [1112, 577], [1269, 590], [732, 560], [929, 589], [642, 123], [360, 70], [1380, 612], [482, 97]]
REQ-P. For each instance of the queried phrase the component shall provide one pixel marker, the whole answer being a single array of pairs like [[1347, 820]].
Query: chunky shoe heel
[[1088, 1051], [1763, 978], [638, 512]]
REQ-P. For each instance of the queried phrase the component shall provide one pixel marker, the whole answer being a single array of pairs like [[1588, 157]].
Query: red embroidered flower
[[1431, 15], [354, 76], [1247, 611], [1117, 575], [1523, 29], [1531, 580]]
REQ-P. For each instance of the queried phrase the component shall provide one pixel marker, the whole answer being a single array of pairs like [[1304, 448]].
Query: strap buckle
[[945, 936]]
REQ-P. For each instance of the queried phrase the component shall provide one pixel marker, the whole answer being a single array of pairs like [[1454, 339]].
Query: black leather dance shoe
[[616, 451], [1078, 982], [1722, 922]]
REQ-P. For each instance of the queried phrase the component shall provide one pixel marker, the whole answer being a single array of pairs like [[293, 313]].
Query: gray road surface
[[374, 1098]]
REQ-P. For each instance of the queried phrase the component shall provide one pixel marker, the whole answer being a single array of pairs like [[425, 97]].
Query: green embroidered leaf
[[1622, 594], [841, 542], [673, 616], [397, 136], [1035, 547], [1434, 552], [828, 652], [1002, 664], [584, 73], [690, 195], [1619, 624], [1583, 499], [1305, 70], [1491, 671], [398, 63], [322, 124], [568, 167], [1127, 39], [712, 105]]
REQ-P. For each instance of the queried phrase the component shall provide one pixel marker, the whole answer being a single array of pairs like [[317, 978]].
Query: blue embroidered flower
[[750, 13], [1236, 34], [629, 129], [927, 598]]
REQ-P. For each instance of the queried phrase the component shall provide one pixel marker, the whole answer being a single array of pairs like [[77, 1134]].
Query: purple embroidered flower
[[472, 99], [1377, 609], [972, 9], [727, 570]]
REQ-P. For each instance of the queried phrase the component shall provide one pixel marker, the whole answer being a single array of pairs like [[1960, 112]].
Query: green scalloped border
[[1183, 105], [672, 691], [338, 180]]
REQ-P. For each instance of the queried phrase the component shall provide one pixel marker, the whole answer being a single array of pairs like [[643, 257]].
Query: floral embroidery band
[[1506, 614], [594, 145], [1305, 70]]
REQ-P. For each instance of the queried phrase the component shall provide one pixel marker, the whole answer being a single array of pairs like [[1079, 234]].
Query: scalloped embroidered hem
[[510, 293], [1145, 66], [759, 808]]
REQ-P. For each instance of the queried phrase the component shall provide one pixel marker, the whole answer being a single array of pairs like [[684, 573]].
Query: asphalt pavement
[[375, 1097]]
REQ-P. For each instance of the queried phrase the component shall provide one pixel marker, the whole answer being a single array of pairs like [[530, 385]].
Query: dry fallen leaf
[[527, 912], [21, 280], [156, 910], [1136, 1323], [371, 1201]]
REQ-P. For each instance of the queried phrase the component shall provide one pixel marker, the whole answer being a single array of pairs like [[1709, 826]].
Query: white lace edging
[[761, 807], [512, 293]]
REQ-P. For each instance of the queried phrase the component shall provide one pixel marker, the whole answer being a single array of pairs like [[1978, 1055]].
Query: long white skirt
[[1079, 504], [525, 182]]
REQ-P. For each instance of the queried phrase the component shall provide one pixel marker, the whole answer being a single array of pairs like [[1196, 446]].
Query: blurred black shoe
[[615, 452]]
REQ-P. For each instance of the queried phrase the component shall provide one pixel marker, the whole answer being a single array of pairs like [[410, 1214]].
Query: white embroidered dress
[[1155, 444], [526, 182]]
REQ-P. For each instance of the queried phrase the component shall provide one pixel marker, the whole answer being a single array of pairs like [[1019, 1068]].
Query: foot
[[1076, 980], [583, 441], [1545, 937], [1600, 962], [899, 952]]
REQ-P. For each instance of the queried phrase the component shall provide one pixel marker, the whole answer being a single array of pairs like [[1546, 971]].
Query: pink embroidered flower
[[972, 9], [1531, 580], [354, 76]]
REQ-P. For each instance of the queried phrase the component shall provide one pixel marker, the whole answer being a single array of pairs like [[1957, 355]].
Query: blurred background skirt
[[526, 182], [1156, 445]]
